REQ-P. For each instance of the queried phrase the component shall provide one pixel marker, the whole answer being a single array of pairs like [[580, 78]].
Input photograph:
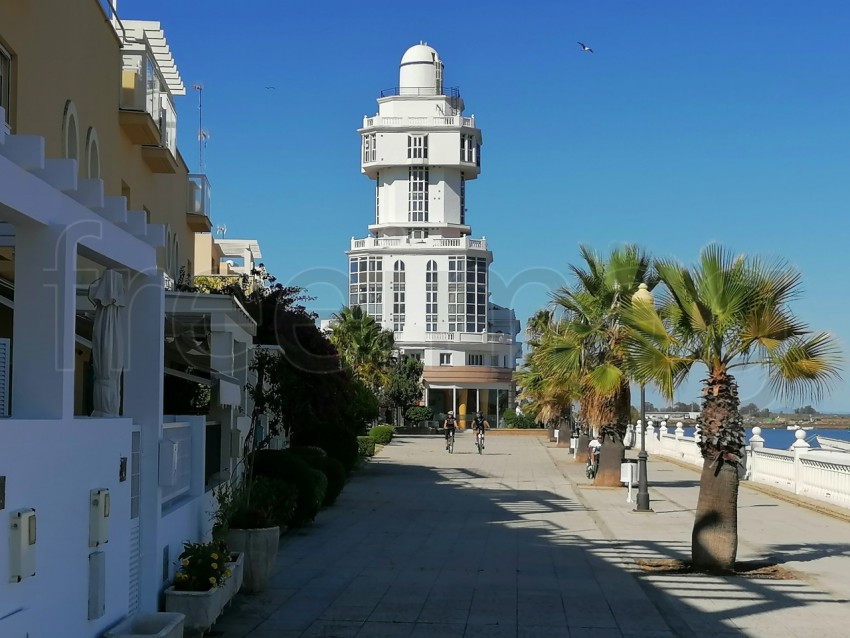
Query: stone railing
[[438, 120], [425, 243], [813, 473]]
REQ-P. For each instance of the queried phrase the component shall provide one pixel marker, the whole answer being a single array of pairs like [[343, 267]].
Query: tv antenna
[[203, 135], [221, 230]]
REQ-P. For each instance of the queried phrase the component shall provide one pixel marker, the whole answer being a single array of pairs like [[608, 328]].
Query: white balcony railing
[[441, 120], [426, 243], [179, 481], [199, 195], [468, 337], [141, 85]]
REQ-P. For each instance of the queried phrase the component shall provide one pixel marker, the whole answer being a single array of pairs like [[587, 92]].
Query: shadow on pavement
[[429, 550]]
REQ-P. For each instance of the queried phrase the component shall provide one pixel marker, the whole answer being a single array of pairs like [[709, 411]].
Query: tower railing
[[422, 91], [438, 120], [427, 242]]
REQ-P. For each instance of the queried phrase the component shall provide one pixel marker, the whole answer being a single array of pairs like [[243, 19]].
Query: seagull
[[271, 88], [585, 48]]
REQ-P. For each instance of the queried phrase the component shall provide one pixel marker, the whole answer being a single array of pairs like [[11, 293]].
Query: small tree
[[404, 387], [418, 414]]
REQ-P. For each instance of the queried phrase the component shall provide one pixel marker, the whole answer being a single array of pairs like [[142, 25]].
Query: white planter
[[260, 549], [201, 608], [234, 583], [154, 625]]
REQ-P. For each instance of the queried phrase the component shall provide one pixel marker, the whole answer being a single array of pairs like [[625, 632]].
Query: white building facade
[[419, 272]]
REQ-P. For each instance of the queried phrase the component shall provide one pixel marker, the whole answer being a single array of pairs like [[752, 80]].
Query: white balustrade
[[415, 120]]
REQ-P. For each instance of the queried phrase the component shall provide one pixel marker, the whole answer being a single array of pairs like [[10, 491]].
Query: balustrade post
[[756, 443], [800, 447], [680, 431]]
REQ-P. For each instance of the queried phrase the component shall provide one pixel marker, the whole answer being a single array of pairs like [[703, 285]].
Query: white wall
[[51, 466]]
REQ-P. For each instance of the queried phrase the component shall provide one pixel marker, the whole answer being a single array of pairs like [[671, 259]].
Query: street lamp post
[[642, 296]]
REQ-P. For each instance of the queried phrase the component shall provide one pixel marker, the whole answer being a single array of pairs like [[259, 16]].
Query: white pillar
[[680, 431], [44, 323], [143, 381], [800, 447]]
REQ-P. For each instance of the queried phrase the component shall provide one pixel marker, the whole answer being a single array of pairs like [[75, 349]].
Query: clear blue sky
[[690, 123]]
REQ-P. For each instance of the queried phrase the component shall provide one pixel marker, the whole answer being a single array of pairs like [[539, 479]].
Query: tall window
[[70, 132], [431, 297], [93, 154], [5, 82], [398, 296], [462, 199], [378, 198], [457, 277], [475, 359], [417, 206], [468, 147], [445, 358], [365, 285], [370, 153], [417, 147], [476, 294]]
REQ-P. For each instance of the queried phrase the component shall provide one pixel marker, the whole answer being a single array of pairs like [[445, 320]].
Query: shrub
[[308, 451], [365, 446], [419, 413], [382, 434], [311, 484], [337, 441], [334, 472], [521, 421], [202, 566], [278, 497]]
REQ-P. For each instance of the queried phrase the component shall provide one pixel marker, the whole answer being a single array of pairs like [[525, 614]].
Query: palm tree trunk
[[714, 542], [613, 450], [721, 438]]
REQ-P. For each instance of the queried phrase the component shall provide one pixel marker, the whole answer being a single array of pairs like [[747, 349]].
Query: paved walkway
[[516, 543]]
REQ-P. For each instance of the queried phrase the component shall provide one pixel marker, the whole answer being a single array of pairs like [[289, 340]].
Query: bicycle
[[450, 442], [479, 441], [592, 466]]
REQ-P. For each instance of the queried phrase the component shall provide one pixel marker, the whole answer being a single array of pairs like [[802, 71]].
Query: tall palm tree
[[547, 399], [363, 345], [726, 312], [586, 343]]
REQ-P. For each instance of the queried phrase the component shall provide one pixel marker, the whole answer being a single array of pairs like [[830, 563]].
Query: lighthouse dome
[[420, 71]]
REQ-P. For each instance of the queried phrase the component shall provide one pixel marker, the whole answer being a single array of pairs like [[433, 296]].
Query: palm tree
[[363, 345], [726, 312], [585, 343]]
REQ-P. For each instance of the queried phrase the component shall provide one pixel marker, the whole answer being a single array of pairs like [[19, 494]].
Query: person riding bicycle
[[594, 449], [450, 424], [479, 423]]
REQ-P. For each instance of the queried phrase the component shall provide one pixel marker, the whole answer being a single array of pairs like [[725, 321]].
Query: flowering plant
[[202, 566]]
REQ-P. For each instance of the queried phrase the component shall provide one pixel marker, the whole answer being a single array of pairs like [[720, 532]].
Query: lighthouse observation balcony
[[427, 243], [448, 121]]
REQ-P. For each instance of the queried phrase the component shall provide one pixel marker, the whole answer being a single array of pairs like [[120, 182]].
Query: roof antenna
[[203, 135]]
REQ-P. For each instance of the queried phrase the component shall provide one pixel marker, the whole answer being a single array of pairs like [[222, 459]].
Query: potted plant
[[200, 590]]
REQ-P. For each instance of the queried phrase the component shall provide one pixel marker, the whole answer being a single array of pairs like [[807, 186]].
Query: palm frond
[[805, 367]]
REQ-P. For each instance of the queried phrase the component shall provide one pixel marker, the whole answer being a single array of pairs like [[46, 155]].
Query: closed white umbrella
[[107, 295]]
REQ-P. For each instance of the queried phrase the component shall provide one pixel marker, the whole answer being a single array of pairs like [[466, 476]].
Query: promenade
[[516, 543]]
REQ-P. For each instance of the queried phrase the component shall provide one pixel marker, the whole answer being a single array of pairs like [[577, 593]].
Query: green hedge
[[334, 472], [338, 442], [308, 451], [278, 497], [311, 484], [382, 434], [366, 446]]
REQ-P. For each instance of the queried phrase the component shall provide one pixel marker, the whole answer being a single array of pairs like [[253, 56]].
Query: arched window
[[70, 132], [93, 154], [398, 296], [431, 297]]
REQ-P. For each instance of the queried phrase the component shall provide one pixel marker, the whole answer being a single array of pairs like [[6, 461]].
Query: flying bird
[[585, 48], [271, 88]]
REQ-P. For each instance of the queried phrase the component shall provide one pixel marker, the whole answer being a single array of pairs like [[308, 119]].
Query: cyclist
[[479, 423], [593, 451], [450, 424]]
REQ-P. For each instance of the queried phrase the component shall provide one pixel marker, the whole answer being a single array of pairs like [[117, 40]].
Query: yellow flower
[[228, 572], [185, 562], [214, 556], [214, 565], [212, 580]]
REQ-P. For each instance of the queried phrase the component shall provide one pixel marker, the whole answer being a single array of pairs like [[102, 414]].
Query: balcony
[[198, 204], [141, 90], [426, 243], [421, 122]]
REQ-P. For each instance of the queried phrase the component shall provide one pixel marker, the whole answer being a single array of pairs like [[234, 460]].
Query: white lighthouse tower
[[419, 272]]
